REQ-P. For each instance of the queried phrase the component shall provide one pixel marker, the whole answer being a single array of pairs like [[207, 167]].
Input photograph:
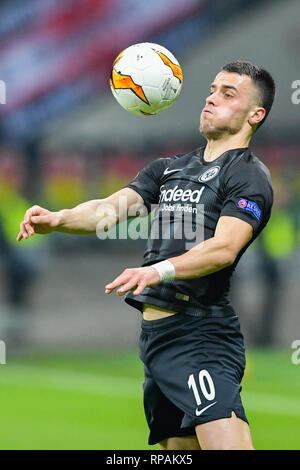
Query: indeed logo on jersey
[[250, 206], [176, 194]]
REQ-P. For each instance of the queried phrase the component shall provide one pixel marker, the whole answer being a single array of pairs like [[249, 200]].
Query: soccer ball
[[146, 79]]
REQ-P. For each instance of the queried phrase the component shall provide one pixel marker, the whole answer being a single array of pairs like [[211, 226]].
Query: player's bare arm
[[212, 255], [215, 253], [84, 218]]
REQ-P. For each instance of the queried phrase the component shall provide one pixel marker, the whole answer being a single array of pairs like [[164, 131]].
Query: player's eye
[[228, 95]]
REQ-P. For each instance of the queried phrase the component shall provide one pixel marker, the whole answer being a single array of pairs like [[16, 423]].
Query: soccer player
[[191, 343]]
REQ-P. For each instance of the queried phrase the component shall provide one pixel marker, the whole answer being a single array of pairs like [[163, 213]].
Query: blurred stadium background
[[73, 377]]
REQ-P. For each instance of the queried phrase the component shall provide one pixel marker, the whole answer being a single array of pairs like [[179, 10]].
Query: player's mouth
[[207, 111]]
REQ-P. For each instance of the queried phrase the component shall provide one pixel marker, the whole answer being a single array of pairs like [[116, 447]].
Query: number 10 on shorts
[[207, 389]]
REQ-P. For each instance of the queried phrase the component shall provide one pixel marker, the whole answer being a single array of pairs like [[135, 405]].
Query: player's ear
[[256, 115]]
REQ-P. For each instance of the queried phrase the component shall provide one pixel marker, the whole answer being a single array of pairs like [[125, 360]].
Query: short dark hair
[[260, 77]]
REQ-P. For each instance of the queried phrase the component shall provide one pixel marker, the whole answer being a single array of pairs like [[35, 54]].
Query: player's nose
[[211, 99]]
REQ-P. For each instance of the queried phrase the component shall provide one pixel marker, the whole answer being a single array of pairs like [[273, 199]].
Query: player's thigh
[[225, 434], [180, 443]]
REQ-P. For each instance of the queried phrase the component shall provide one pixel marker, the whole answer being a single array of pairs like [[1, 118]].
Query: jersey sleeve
[[248, 195], [147, 181]]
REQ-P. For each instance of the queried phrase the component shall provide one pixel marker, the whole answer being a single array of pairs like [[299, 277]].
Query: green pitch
[[94, 401]]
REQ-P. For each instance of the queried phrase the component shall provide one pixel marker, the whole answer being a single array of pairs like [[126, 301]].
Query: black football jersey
[[187, 195]]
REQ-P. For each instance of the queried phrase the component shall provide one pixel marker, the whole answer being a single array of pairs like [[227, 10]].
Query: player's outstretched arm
[[208, 257], [85, 218], [215, 253]]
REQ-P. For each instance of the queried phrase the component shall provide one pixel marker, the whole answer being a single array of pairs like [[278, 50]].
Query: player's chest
[[193, 186]]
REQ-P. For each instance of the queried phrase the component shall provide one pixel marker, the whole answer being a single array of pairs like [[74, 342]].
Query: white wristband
[[165, 269]]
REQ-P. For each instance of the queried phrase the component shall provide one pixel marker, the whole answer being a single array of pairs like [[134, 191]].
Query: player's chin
[[210, 131], [205, 124], [205, 129]]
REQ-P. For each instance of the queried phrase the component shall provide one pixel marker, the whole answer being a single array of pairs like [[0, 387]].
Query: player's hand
[[37, 220], [135, 279]]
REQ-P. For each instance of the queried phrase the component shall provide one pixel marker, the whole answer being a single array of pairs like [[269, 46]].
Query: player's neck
[[215, 148]]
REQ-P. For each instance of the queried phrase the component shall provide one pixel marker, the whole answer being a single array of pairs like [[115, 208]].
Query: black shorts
[[193, 371]]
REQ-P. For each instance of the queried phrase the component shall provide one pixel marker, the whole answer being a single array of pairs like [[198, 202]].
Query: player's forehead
[[242, 83]]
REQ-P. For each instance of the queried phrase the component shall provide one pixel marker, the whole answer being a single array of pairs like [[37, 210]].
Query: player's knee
[[180, 443], [163, 445]]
